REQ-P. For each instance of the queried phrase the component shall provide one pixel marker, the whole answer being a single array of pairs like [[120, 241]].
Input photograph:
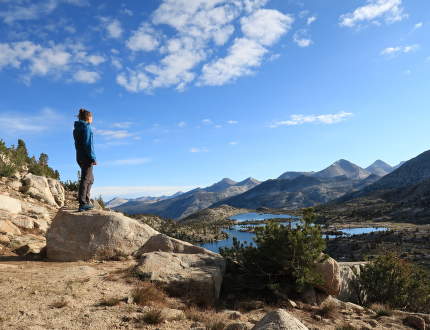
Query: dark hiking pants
[[87, 180]]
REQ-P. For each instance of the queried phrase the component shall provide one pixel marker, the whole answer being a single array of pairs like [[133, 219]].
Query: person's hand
[[94, 163]]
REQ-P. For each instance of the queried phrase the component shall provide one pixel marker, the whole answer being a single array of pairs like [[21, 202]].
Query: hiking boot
[[86, 207]]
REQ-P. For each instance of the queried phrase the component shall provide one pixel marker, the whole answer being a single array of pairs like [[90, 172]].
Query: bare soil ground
[[99, 295]]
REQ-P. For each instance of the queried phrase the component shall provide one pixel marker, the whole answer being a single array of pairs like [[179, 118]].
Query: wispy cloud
[[419, 25], [129, 161], [182, 124], [232, 122], [318, 119], [302, 39], [310, 20], [207, 121], [89, 77], [123, 125], [114, 134], [233, 143], [113, 27], [399, 50], [30, 10], [197, 150], [14, 122], [374, 12]]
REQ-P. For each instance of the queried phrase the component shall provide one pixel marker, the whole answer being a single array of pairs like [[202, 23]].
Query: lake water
[[243, 236]]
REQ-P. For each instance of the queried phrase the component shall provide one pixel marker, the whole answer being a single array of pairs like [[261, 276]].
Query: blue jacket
[[84, 145]]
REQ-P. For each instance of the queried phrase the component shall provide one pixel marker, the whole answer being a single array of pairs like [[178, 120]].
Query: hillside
[[402, 195], [187, 203]]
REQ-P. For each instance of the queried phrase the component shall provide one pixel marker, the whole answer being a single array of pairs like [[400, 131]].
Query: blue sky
[[186, 92]]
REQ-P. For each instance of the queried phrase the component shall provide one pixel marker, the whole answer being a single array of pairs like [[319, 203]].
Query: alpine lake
[[242, 230]]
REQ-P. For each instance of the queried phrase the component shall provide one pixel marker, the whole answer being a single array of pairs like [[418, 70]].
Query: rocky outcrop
[[9, 204], [279, 320], [98, 235], [8, 228], [57, 191], [349, 288], [164, 243], [38, 188], [196, 276], [330, 272], [184, 269]]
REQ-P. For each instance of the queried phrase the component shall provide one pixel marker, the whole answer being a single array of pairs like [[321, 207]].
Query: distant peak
[[228, 180]]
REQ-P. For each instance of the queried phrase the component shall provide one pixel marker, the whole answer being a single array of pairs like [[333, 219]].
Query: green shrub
[[282, 259], [395, 282], [18, 159], [7, 170], [70, 185]]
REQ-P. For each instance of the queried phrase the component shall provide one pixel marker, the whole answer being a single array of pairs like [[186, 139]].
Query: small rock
[[279, 320], [415, 322], [233, 315], [4, 239]]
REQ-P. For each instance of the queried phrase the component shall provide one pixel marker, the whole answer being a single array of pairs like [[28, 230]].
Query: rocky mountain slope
[[402, 195], [302, 191], [343, 168], [380, 168], [187, 203]]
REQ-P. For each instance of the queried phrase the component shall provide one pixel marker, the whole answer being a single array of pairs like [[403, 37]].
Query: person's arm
[[89, 144]]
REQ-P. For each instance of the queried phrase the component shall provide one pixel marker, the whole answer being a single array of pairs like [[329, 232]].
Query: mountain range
[[117, 201], [192, 201], [290, 190]]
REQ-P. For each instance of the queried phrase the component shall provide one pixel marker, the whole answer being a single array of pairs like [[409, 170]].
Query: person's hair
[[84, 114]]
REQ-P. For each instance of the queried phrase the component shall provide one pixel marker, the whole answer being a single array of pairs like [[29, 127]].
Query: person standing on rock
[[85, 157]]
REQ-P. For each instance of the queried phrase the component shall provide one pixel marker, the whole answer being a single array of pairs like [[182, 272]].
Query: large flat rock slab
[[99, 235]]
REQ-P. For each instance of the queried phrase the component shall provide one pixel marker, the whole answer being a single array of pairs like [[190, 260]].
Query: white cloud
[[244, 55], [143, 39], [233, 143], [232, 122], [89, 77], [320, 119], [55, 59], [14, 123], [207, 121], [96, 59], [182, 124], [399, 50], [373, 12], [418, 25], [197, 150], [125, 124], [266, 26], [113, 28], [199, 28], [30, 10], [310, 20], [114, 134], [302, 39], [129, 161], [263, 28]]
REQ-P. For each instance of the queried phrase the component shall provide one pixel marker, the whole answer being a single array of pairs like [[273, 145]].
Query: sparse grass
[[109, 302], [154, 316], [194, 314], [328, 310], [381, 310], [148, 294], [346, 326], [215, 325], [59, 303]]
